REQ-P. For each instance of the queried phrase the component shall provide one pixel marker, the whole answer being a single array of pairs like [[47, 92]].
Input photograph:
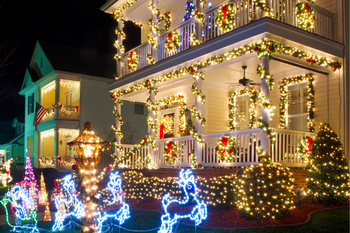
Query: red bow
[[162, 127], [169, 147], [77, 108], [224, 11], [170, 37], [224, 141], [130, 57]]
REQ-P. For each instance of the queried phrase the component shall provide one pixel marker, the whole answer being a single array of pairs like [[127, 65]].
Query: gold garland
[[132, 61], [171, 42], [225, 17], [305, 15]]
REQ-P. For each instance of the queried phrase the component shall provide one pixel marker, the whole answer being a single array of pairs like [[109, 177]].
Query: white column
[[155, 21], [56, 145], [199, 25], [265, 116], [57, 97], [119, 37], [118, 126], [197, 123], [152, 96]]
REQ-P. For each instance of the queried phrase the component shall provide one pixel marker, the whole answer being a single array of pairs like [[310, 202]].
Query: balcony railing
[[284, 151], [246, 12], [65, 112]]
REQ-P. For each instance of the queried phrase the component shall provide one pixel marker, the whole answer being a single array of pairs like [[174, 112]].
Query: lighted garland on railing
[[194, 162], [171, 42], [220, 58], [265, 7], [225, 17], [194, 39], [170, 152], [198, 15], [150, 59], [233, 95], [267, 130], [265, 76], [309, 78], [262, 156], [132, 61], [305, 15]]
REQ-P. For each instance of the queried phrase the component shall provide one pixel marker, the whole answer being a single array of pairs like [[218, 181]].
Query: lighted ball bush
[[328, 174], [264, 191]]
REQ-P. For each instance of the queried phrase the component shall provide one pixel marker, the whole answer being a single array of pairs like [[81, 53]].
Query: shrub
[[264, 191], [328, 175]]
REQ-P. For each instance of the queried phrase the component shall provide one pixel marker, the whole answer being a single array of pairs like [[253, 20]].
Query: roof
[[82, 61]]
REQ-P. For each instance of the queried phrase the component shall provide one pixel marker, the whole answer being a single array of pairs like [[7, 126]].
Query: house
[[72, 85], [261, 73], [12, 139]]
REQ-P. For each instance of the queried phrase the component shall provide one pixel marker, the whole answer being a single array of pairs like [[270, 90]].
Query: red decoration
[[77, 108], [161, 131]]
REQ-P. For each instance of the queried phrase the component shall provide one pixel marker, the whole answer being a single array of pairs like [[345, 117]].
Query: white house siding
[[217, 111], [96, 104], [177, 11]]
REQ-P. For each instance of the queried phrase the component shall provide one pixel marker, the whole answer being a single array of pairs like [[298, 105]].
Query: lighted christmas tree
[[328, 176], [47, 215], [43, 193], [189, 9], [29, 180]]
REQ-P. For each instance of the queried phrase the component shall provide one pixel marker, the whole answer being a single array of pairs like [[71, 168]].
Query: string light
[[49, 87], [6, 177]]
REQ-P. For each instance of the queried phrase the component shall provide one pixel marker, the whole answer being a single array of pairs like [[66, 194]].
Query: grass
[[336, 220]]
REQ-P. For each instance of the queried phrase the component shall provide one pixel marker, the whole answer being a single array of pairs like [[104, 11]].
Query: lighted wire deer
[[73, 207], [189, 188], [115, 187]]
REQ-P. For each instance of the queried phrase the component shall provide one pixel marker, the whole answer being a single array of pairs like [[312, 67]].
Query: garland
[[192, 70], [225, 17], [198, 92], [196, 136], [225, 149], [120, 33], [170, 152], [267, 130], [266, 50], [167, 18], [198, 15], [264, 7], [220, 58], [172, 41], [154, 26], [310, 99], [199, 116], [266, 103], [150, 59], [151, 40], [194, 39], [194, 162], [119, 46], [305, 15], [132, 61], [232, 122], [265, 76], [263, 157], [305, 147]]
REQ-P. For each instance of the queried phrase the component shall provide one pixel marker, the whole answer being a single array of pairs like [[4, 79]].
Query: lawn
[[335, 220]]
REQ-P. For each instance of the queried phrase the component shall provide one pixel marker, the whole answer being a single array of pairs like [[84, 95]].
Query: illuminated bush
[[264, 191], [215, 191], [328, 174]]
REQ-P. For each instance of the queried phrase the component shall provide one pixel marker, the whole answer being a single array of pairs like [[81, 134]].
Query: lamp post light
[[88, 146]]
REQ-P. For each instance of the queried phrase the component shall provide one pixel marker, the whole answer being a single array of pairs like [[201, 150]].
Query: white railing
[[66, 163], [50, 115], [69, 112], [137, 160], [285, 149], [246, 12]]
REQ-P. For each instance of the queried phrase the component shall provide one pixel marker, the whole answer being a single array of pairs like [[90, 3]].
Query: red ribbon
[[224, 141], [77, 108], [130, 57], [56, 185], [224, 11], [170, 37], [169, 147], [309, 140], [162, 127]]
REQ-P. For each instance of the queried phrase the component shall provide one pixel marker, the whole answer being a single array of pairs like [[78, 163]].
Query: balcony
[[245, 14]]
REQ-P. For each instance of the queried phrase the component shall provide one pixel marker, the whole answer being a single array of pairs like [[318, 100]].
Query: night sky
[[78, 23]]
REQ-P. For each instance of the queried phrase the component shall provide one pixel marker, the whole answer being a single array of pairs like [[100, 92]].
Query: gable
[[39, 63]]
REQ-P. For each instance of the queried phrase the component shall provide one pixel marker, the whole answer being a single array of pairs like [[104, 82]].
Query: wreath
[[225, 149], [225, 17], [132, 61], [172, 41], [305, 15], [305, 147], [170, 152]]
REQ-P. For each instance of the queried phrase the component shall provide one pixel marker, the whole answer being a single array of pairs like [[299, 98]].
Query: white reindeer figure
[[197, 214], [115, 186], [72, 202], [6, 177]]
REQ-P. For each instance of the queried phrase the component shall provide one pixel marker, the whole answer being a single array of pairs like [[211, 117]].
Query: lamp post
[[88, 146]]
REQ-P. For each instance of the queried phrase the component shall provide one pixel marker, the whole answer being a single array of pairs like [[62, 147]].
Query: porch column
[[119, 53], [155, 34], [152, 133], [118, 126], [56, 145], [57, 97], [265, 116], [197, 122], [199, 24]]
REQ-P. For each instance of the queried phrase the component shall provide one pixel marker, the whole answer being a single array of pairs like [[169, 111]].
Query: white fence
[[246, 12]]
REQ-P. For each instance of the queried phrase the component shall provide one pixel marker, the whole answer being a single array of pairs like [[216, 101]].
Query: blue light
[[115, 186], [209, 4], [189, 188], [69, 201]]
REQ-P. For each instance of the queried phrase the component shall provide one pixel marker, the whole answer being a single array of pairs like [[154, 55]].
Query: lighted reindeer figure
[[197, 214], [69, 201], [23, 206], [115, 187], [6, 177]]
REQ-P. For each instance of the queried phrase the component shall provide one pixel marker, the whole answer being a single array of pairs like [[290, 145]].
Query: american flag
[[40, 112]]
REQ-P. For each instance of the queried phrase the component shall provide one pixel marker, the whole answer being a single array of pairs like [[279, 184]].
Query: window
[[139, 109], [31, 103], [242, 112], [68, 96], [297, 107], [170, 131]]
